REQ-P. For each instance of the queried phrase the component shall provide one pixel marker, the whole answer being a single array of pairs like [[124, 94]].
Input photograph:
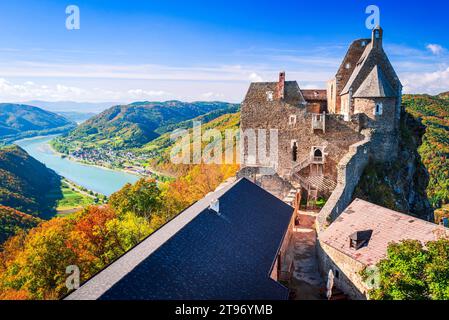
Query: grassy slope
[[72, 199]]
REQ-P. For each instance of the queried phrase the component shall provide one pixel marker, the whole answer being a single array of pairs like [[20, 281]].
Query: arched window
[[318, 153]]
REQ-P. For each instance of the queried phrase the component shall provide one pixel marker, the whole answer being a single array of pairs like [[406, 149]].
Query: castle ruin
[[326, 137]]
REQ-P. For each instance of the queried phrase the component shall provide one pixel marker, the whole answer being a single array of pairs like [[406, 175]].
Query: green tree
[[412, 271], [437, 269], [143, 199]]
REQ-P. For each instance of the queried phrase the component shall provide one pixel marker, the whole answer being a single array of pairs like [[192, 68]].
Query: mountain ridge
[[18, 121]]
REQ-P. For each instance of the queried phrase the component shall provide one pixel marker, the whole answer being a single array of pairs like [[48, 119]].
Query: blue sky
[[205, 50]]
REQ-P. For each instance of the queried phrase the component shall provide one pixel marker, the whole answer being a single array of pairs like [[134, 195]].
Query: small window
[[348, 66], [379, 109], [363, 43], [292, 120], [294, 151], [377, 34], [269, 95]]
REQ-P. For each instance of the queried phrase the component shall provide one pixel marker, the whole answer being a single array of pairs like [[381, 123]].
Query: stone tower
[[370, 86]]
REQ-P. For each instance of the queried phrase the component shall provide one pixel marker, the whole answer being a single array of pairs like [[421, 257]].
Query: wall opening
[[294, 151], [379, 109]]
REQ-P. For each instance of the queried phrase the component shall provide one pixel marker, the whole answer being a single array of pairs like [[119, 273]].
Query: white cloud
[[426, 82], [436, 49], [143, 94], [16, 92]]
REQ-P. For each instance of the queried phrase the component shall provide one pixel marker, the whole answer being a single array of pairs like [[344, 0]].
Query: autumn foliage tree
[[412, 271], [33, 265]]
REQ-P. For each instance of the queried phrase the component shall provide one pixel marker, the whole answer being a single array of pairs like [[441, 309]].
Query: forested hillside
[[160, 148], [433, 113], [25, 183], [131, 126], [21, 121], [13, 221]]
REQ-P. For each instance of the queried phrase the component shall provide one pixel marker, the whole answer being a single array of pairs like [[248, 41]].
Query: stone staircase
[[304, 164], [291, 196]]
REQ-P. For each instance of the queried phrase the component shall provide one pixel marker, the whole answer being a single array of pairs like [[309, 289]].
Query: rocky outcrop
[[400, 184]]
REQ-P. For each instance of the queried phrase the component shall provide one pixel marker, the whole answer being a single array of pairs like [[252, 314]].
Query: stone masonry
[[326, 137]]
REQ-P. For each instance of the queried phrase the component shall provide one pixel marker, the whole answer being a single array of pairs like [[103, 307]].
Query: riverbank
[[131, 169], [98, 179], [87, 163], [76, 198]]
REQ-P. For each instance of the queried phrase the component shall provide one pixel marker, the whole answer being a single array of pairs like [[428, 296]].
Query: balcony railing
[[319, 122], [317, 160]]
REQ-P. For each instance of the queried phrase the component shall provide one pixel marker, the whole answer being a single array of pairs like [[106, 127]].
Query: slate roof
[[359, 66], [315, 95], [386, 226], [257, 92], [375, 85], [201, 255]]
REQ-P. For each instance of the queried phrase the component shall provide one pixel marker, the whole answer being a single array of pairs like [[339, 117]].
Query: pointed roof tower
[[376, 85]]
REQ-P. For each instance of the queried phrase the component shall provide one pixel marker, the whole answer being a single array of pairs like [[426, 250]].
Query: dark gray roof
[[375, 85], [257, 92], [228, 256]]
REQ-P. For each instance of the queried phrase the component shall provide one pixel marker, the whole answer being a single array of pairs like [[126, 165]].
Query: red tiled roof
[[387, 226], [314, 95]]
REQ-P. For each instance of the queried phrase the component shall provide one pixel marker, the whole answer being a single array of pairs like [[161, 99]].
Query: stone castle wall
[[339, 136], [350, 170], [346, 271]]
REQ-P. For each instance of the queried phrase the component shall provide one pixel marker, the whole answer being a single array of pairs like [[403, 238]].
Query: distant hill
[[71, 106], [12, 221], [21, 121], [26, 184], [134, 125], [77, 117]]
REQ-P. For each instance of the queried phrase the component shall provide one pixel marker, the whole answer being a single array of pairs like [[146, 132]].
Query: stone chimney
[[377, 37], [281, 86]]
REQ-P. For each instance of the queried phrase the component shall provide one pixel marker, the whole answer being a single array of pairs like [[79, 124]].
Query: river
[[97, 179]]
